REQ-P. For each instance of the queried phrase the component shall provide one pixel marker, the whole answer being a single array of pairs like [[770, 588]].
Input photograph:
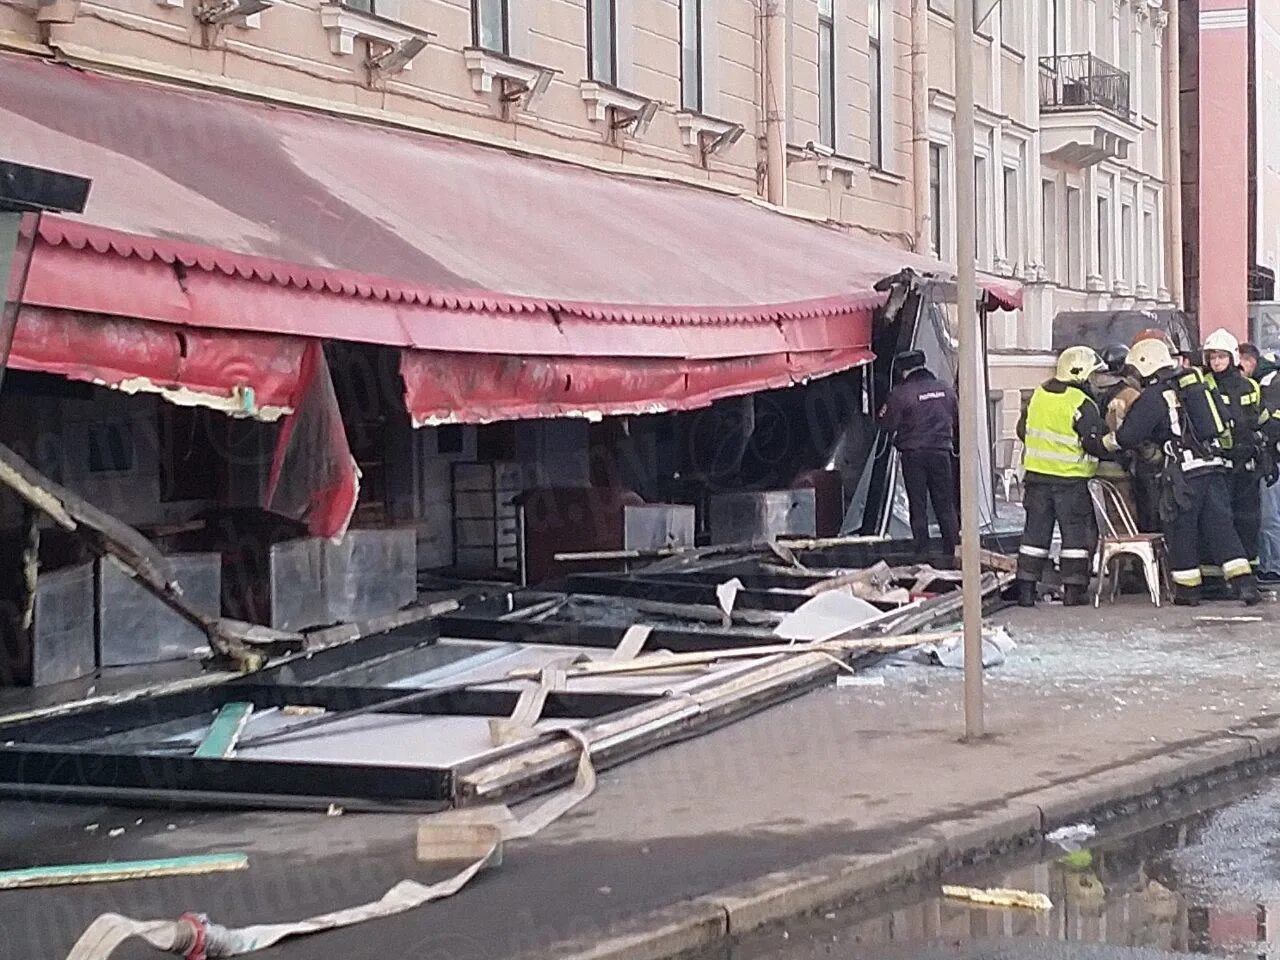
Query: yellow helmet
[[1076, 364], [1149, 357]]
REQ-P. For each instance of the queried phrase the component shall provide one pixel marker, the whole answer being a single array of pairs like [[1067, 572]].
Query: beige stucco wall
[[1268, 88], [288, 55]]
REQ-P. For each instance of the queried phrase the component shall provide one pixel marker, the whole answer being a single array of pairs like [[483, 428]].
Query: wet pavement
[[1207, 883]]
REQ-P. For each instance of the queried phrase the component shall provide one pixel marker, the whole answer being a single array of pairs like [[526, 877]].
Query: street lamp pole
[[967, 320]]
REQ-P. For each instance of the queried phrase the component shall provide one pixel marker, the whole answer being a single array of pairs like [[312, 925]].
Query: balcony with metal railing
[[1086, 109], [1082, 81]]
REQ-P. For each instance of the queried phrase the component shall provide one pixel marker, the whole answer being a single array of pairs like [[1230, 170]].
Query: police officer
[[1241, 401], [921, 412], [1178, 410], [1062, 430]]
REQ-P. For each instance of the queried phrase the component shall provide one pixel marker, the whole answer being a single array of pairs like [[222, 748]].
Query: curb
[[1020, 820]]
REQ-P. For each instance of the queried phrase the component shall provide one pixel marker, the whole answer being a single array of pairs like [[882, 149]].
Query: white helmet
[[1222, 341], [1149, 357]]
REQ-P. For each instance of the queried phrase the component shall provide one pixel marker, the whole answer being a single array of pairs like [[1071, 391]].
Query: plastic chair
[[1007, 460], [1113, 543]]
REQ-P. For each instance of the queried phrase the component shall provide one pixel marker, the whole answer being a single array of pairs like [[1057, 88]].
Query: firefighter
[[922, 414], [1178, 410], [1264, 370], [1115, 389], [1061, 430], [1241, 404]]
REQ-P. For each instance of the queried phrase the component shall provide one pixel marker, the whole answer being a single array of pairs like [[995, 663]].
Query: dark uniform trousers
[[1246, 502], [1204, 522], [1068, 504], [929, 475]]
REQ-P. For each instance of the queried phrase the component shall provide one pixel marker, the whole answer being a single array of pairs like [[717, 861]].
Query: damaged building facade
[[365, 291]]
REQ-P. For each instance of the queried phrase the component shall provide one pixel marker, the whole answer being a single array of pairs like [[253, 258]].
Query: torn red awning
[[453, 388], [248, 374], [238, 219]]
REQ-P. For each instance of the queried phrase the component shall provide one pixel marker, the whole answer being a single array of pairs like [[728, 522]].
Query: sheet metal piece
[[135, 627], [62, 629], [658, 526], [737, 517]]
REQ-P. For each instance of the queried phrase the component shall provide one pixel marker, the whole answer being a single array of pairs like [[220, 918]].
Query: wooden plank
[[225, 730], [80, 873]]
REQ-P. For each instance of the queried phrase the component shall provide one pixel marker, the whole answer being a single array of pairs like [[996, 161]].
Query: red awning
[[225, 216]]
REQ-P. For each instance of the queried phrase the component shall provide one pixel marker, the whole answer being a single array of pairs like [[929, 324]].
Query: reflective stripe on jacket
[[1052, 445]]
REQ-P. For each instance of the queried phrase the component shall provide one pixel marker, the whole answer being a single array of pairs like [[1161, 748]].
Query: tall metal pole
[[967, 316]]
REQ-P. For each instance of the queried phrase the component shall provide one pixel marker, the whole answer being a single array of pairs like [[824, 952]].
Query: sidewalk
[[857, 773]]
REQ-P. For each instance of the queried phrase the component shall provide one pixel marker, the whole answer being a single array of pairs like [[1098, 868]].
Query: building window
[[1011, 23], [1126, 242], [935, 199], [691, 55], [1150, 250], [876, 63], [364, 6], [1075, 239], [602, 41], [981, 220], [1104, 238], [826, 74], [1012, 218], [491, 25], [1049, 227]]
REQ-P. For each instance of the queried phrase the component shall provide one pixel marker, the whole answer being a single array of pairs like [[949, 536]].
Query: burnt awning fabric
[[217, 214]]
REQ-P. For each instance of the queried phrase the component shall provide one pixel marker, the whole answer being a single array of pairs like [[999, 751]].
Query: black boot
[[1186, 596], [1026, 593], [1247, 590], [1075, 595]]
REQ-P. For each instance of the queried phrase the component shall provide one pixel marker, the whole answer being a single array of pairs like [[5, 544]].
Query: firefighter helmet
[[1077, 364], [1151, 333], [1149, 357], [1222, 341], [1115, 357]]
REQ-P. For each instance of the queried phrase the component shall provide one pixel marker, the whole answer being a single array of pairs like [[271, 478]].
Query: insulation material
[[314, 477]]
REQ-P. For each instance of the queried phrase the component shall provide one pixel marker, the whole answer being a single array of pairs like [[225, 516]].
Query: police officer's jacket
[[1061, 429], [922, 412]]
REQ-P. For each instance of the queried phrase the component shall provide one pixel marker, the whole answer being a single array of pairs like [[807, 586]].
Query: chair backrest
[[1007, 453], [1109, 507]]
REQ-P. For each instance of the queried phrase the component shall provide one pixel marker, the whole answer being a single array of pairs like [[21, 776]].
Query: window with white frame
[[491, 25], [982, 209], [1048, 28], [691, 80], [827, 73], [1012, 24], [1075, 238], [1126, 243], [936, 207], [602, 41], [875, 58], [1012, 217], [1105, 227], [1150, 250], [1049, 227]]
